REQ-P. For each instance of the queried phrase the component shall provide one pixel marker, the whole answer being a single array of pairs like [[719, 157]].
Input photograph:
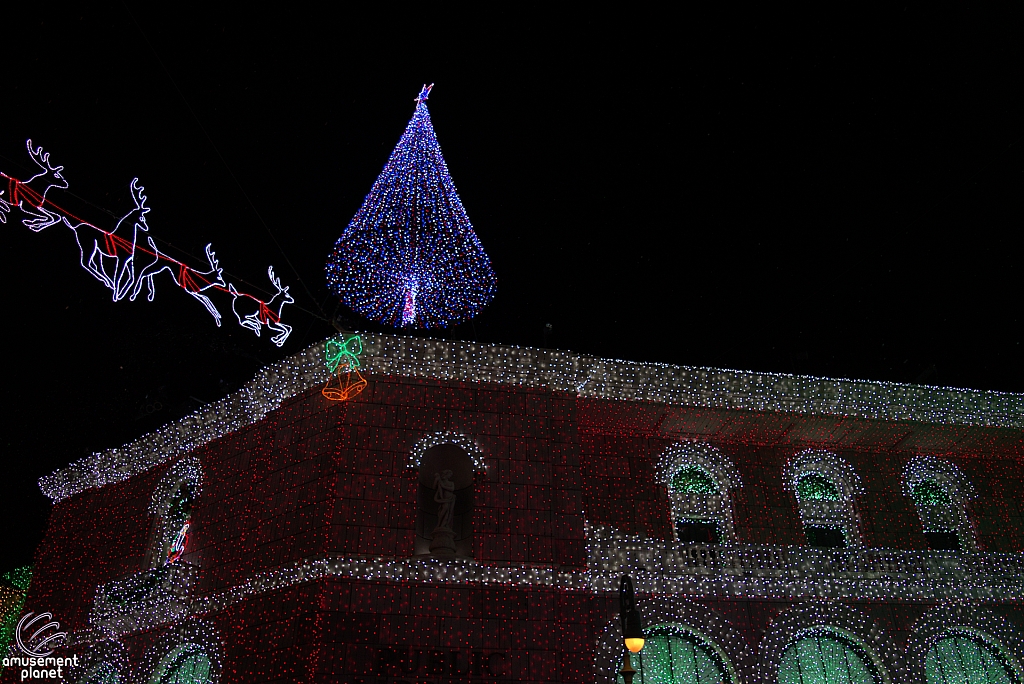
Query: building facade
[[468, 515]]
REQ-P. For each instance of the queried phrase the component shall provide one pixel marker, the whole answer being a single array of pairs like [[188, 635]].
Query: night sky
[[657, 188]]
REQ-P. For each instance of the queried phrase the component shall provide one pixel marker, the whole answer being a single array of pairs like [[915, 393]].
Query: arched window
[[699, 477], [187, 665], [172, 506], [444, 516], [825, 486], [940, 493], [966, 658], [825, 657], [673, 654]]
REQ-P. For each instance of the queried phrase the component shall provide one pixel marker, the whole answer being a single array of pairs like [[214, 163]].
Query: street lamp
[[632, 626]]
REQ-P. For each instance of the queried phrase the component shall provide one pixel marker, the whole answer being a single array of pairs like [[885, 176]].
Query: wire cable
[[223, 161]]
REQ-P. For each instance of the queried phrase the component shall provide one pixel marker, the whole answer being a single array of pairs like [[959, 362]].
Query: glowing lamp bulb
[[634, 644]]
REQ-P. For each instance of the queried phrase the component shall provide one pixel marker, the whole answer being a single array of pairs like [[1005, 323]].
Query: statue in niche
[[443, 538]]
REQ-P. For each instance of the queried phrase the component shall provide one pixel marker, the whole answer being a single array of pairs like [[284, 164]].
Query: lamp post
[[632, 626]]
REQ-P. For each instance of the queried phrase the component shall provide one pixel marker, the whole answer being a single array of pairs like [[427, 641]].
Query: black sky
[[793, 194]]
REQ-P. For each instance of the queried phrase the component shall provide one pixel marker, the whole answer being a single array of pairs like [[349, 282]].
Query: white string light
[[586, 376], [170, 596], [467, 444]]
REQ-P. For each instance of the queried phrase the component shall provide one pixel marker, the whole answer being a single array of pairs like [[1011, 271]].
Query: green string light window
[[824, 659], [929, 493], [673, 655], [816, 487], [191, 666], [694, 480], [963, 659]]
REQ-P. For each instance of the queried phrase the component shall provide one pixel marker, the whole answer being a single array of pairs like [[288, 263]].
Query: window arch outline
[[197, 636], [957, 489], [872, 663], [943, 619], [825, 513], [185, 653], [186, 472], [697, 506], [712, 626], [682, 630], [866, 633], [995, 649], [468, 444]]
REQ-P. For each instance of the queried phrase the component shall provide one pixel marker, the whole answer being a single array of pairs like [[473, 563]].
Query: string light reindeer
[[255, 314], [118, 259]]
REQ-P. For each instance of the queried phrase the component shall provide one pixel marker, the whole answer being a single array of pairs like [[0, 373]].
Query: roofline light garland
[[560, 371]]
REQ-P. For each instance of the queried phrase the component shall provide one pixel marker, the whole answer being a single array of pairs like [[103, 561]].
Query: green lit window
[[191, 666], [961, 659], [929, 493], [824, 659], [816, 487], [672, 655], [694, 480]]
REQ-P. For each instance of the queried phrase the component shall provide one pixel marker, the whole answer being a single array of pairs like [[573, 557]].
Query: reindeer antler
[[42, 160], [276, 281], [140, 199], [211, 257]]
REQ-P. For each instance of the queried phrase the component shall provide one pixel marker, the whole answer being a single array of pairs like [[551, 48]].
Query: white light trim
[[587, 376]]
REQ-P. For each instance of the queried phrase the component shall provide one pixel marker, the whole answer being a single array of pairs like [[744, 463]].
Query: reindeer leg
[[252, 322], [125, 279], [44, 220], [283, 332], [209, 306], [148, 280], [97, 266]]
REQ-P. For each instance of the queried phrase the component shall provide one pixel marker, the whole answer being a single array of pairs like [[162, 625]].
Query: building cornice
[[578, 374], [658, 568]]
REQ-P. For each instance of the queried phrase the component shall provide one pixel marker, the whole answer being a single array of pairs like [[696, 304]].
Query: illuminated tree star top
[[410, 257]]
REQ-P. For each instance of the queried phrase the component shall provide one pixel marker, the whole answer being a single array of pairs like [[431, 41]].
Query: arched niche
[[172, 509], [449, 463]]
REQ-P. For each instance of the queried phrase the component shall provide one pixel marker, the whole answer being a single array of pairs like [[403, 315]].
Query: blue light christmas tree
[[409, 257]]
